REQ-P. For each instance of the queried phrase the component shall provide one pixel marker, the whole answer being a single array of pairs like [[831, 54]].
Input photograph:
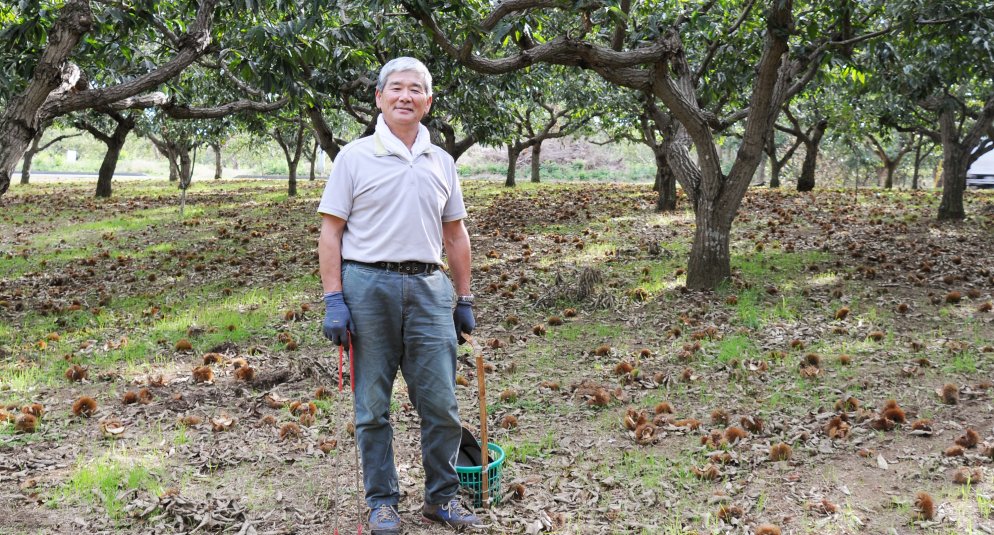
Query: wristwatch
[[468, 299]]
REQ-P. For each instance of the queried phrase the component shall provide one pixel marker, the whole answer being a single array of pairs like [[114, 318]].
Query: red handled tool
[[341, 388]]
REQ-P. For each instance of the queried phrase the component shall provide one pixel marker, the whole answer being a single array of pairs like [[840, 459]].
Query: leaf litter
[[591, 265]]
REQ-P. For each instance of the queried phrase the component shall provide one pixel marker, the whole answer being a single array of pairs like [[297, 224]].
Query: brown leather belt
[[407, 268]]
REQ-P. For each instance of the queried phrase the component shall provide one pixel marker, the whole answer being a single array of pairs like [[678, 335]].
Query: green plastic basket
[[469, 476]]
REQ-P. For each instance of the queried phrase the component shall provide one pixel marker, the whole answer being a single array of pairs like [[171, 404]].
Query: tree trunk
[[512, 162], [536, 162], [462, 146], [185, 168], [29, 156], [332, 153], [292, 157], [107, 168], [313, 160], [955, 162], [292, 180], [953, 186], [762, 169], [710, 262], [170, 151], [888, 172], [918, 165], [19, 122], [812, 144], [806, 181], [775, 164], [774, 175], [216, 147], [114, 145], [174, 171], [665, 182]]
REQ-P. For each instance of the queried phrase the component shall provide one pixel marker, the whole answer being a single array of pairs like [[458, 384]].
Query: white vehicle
[[981, 173]]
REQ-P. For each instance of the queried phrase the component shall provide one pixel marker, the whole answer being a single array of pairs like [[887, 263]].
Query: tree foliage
[[936, 78]]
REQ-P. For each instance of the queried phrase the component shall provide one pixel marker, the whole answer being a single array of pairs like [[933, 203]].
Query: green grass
[[784, 309], [23, 379], [100, 481], [786, 270], [747, 309], [572, 332], [575, 171], [253, 312], [737, 347], [530, 449], [180, 438], [962, 362], [81, 233], [653, 471]]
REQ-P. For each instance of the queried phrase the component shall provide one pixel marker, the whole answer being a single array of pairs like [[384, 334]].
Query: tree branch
[[714, 45], [56, 140], [861, 38], [146, 101], [242, 85], [193, 45], [507, 7], [618, 39], [322, 132], [561, 51], [182, 111], [93, 130]]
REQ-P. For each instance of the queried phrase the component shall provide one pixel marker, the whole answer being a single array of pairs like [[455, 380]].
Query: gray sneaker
[[452, 514], [384, 520]]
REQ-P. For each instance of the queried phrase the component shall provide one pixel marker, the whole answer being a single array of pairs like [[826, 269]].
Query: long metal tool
[[484, 448], [341, 366]]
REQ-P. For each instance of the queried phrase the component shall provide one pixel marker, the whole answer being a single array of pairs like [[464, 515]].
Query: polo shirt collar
[[385, 143]]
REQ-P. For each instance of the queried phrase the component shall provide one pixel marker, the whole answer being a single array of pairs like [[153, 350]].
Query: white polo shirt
[[393, 200]]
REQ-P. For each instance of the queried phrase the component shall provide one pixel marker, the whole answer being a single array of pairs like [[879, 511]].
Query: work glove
[[462, 316], [337, 319]]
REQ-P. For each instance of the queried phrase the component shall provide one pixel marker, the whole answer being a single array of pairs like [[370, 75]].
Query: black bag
[[470, 453]]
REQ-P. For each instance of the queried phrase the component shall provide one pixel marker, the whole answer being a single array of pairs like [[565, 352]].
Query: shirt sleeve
[[338, 192], [455, 208]]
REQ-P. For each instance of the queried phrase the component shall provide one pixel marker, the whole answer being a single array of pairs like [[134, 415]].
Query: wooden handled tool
[[484, 449]]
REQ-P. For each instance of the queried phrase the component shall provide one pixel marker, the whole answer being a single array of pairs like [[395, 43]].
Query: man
[[392, 202]]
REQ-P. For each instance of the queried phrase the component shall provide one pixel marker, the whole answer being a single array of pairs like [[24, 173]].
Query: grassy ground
[[582, 315]]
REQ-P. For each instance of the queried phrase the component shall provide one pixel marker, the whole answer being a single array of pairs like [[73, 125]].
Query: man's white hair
[[402, 64]]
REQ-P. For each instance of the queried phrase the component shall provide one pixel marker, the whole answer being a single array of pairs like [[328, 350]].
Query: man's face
[[404, 99]]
